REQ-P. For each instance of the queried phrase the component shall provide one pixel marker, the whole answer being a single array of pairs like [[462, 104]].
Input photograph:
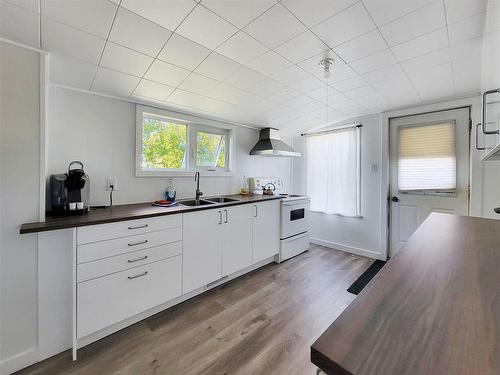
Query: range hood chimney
[[270, 144]]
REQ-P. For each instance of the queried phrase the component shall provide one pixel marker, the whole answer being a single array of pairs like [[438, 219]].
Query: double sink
[[207, 201]]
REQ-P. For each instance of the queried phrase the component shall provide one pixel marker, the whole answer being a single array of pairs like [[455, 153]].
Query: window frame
[[193, 124], [432, 192]]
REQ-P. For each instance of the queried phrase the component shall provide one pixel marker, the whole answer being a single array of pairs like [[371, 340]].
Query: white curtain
[[333, 172]]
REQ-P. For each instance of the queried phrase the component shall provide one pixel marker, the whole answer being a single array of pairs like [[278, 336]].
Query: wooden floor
[[261, 323]]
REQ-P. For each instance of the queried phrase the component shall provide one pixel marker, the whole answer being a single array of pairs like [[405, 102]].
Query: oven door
[[294, 218]]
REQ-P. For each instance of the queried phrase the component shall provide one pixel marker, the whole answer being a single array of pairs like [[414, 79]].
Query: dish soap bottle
[[170, 192]]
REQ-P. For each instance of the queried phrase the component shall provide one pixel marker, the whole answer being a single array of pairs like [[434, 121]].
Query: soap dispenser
[[170, 193]]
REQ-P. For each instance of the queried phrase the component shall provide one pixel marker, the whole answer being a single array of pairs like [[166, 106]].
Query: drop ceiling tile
[[206, 28], [94, 17], [240, 12], [152, 90], [284, 95], [312, 107], [457, 10], [492, 19], [269, 63], [19, 25], [344, 26], [388, 10], [166, 73], [275, 27], [168, 14], [465, 50], [335, 96], [125, 60], [373, 62], [469, 28], [30, 5], [308, 84], [302, 47], [362, 46], [420, 22], [426, 61], [313, 12], [299, 100], [217, 67], [360, 92], [319, 93], [389, 73], [438, 76], [467, 75], [183, 52], [199, 84], [421, 45], [395, 88], [291, 75], [115, 83], [349, 84], [242, 48], [232, 95], [66, 40], [265, 87], [135, 32], [71, 72], [244, 78], [202, 103]]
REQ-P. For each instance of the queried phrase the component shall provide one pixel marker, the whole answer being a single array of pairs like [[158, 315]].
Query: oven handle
[[297, 203]]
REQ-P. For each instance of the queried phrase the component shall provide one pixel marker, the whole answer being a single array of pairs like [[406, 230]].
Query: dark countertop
[[433, 309], [129, 212]]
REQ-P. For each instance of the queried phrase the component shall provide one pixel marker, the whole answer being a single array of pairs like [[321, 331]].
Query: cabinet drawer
[[98, 250], [113, 298], [109, 231], [106, 266]]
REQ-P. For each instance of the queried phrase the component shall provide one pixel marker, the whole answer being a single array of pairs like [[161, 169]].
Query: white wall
[[100, 132], [19, 202], [356, 235]]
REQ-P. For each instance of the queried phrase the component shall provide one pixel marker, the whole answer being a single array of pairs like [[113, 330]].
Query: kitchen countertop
[[433, 309], [129, 212]]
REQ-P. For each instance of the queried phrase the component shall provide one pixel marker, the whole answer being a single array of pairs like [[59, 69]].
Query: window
[[170, 146], [426, 158], [333, 171]]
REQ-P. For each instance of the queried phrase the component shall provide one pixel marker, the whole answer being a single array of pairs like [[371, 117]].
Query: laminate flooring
[[261, 323]]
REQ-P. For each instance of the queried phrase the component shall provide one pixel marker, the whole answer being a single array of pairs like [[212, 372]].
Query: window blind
[[426, 157]]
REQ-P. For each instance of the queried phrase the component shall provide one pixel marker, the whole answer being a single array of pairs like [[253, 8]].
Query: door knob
[[395, 199]]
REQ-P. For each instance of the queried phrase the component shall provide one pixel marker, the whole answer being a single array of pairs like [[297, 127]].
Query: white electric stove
[[294, 228]]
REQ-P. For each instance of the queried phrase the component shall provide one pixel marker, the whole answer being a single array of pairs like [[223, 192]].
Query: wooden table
[[433, 309]]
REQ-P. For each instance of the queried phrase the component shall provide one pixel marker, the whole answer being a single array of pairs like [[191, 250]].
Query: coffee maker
[[70, 192]]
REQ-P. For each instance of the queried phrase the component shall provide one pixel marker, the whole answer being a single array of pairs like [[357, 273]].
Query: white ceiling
[[256, 61]]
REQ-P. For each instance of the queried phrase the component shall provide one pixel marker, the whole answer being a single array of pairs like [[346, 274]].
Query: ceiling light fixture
[[326, 64]]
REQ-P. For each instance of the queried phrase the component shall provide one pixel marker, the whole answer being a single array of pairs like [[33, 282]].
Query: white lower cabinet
[[113, 298], [265, 229], [236, 238], [202, 250]]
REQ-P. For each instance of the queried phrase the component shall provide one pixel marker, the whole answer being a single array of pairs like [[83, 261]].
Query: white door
[[266, 227], [202, 248], [429, 156], [236, 238]]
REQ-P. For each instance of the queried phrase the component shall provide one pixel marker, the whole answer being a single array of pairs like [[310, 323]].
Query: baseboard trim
[[19, 361], [348, 249]]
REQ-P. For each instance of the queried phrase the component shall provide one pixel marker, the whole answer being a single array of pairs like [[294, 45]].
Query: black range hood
[[270, 144]]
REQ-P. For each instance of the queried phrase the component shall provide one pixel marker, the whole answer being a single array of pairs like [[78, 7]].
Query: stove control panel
[[257, 184]]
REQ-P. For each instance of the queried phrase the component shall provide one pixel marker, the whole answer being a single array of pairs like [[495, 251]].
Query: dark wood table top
[[433, 309], [129, 212]]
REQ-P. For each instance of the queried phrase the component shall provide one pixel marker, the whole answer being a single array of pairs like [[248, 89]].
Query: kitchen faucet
[[198, 192]]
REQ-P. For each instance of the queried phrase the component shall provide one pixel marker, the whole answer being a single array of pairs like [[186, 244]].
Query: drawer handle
[[139, 227], [139, 275], [138, 259], [138, 243]]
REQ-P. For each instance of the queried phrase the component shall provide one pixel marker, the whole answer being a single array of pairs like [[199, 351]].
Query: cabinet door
[[236, 238], [202, 249], [266, 229]]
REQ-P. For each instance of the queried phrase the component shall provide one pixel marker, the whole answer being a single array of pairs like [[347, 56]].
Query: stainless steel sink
[[222, 200], [193, 203]]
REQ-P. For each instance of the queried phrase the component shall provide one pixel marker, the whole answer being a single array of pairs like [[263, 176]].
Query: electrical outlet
[[111, 181]]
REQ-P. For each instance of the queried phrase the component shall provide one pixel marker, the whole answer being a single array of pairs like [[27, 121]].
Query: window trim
[[193, 124]]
